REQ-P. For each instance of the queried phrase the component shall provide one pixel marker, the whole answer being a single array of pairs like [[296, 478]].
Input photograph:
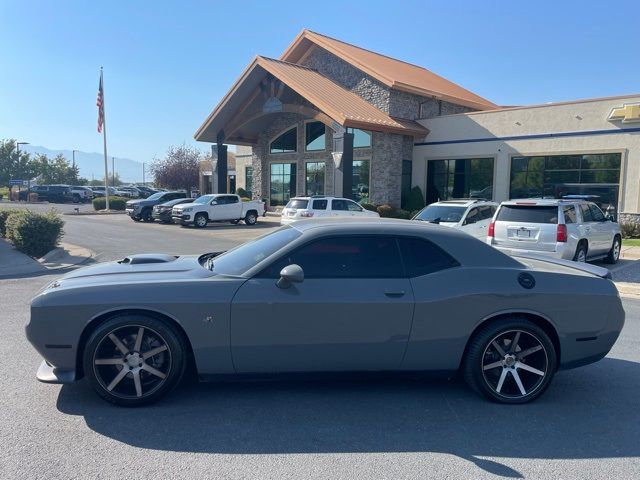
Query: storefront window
[[361, 138], [286, 143], [283, 183], [314, 133], [594, 175], [248, 175], [361, 171], [460, 178], [314, 183]]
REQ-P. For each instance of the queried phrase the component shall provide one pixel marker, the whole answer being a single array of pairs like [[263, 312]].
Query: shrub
[[415, 200], [386, 211], [245, 199], [34, 233], [403, 214], [115, 203], [4, 214], [630, 230], [370, 206], [241, 192]]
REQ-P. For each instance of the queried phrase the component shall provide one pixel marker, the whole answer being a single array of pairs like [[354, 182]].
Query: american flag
[[100, 105]]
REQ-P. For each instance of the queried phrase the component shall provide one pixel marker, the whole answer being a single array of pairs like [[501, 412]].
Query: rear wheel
[[510, 361], [135, 219], [134, 360], [581, 253], [614, 253], [200, 220], [251, 218]]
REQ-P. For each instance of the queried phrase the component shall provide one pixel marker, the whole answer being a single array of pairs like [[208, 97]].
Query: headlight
[[187, 209]]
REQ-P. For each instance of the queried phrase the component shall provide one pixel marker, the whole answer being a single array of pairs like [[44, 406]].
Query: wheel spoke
[[516, 377], [154, 351], [503, 375], [137, 383], [529, 351], [529, 368], [119, 344], [153, 371], [116, 380], [493, 365], [514, 342], [108, 361], [498, 348], [138, 344]]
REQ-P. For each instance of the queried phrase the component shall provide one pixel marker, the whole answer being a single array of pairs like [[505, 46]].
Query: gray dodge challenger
[[370, 295]]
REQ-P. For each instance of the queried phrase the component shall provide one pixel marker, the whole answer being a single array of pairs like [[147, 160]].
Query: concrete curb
[[99, 212], [65, 256]]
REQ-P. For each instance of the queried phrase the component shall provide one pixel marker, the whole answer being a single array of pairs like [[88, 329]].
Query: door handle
[[397, 294]]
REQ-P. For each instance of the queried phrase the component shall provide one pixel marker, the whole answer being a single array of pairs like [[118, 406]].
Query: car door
[[352, 312], [216, 210], [602, 229], [354, 209], [319, 208], [339, 208], [590, 231], [470, 222]]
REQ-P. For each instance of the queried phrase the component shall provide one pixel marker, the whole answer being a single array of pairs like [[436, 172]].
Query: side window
[[353, 207], [587, 216], [472, 217], [486, 213], [597, 214], [339, 205], [231, 199], [422, 257], [320, 204], [570, 214], [366, 256]]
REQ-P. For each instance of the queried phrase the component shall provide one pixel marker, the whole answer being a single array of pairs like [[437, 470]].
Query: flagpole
[[104, 140]]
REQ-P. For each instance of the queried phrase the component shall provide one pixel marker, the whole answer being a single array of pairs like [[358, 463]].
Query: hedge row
[[32, 233], [115, 203]]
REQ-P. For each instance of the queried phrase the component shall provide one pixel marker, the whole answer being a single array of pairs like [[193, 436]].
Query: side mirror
[[611, 218], [289, 275]]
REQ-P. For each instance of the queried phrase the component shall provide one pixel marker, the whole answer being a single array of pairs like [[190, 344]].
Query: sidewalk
[[14, 264]]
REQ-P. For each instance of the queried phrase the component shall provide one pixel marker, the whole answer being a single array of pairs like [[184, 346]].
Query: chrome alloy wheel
[[616, 250], [515, 364], [132, 361]]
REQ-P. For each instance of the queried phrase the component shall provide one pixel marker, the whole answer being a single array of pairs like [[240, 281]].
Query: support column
[[221, 169], [347, 166]]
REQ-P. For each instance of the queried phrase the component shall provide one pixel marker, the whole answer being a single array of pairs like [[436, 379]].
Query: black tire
[[235, 222], [200, 220], [76, 198], [614, 254], [146, 215], [496, 377], [135, 219], [251, 218], [581, 252], [156, 333]]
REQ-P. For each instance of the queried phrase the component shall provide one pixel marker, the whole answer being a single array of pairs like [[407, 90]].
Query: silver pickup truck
[[222, 207]]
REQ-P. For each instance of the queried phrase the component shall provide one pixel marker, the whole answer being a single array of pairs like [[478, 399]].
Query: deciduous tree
[[179, 169]]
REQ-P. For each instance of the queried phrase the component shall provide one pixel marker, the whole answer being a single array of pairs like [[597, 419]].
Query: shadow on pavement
[[587, 413]]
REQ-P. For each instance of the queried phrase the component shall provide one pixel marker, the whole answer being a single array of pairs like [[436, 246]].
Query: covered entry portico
[[309, 135]]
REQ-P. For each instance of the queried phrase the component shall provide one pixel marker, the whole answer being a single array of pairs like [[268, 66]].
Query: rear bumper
[[50, 374], [563, 251]]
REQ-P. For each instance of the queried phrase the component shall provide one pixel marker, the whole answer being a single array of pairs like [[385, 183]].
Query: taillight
[[561, 235], [306, 214], [492, 230]]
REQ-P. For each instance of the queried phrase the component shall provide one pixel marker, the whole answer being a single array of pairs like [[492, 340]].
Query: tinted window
[[528, 214], [286, 142], [353, 207], [597, 214], [320, 204], [339, 205], [231, 199], [314, 136], [296, 203], [472, 217], [487, 212], [570, 215], [587, 216], [440, 213], [422, 257], [367, 256]]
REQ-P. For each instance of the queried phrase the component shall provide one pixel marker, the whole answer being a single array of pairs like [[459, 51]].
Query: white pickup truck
[[221, 207]]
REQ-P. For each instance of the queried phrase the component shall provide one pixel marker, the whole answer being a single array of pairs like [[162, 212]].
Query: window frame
[[324, 176], [280, 134], [324, 148]]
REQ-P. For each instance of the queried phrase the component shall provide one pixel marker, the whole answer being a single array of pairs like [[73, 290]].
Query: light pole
[[113, 172], [18, 152], [143, 182]]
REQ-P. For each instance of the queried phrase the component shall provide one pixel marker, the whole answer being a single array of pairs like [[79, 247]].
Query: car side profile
[[568, 229], [320, 206], [223, 207], [369, 295], [142, 208], [471, 216]]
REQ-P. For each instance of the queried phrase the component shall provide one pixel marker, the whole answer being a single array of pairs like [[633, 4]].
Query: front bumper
[[50, 374], [162, 216], [185, 217]]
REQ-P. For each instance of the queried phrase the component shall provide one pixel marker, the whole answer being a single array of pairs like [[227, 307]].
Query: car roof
[[465, 202], [544, 202], [320, 197]]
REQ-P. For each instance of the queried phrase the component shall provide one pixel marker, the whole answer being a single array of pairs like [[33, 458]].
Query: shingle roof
[[390, 71]]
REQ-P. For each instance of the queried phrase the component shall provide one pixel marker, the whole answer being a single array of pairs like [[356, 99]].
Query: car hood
[[180, 206], [137, 202]]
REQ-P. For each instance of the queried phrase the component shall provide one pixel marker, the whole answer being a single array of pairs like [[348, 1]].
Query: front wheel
[[614, 254], [251, 218], [200, 220], [134, 360], [510, 361]]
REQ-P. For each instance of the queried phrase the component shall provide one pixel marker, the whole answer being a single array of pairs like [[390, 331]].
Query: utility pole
[[18, 151], [143, 182], [113, 172]]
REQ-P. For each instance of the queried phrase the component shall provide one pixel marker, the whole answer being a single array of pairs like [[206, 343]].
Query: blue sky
[[167, 64]]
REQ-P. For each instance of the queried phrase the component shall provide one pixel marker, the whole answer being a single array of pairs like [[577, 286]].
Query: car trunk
[[530, 227]]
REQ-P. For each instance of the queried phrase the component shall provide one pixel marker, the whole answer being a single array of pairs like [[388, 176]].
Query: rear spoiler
[[583, 267]]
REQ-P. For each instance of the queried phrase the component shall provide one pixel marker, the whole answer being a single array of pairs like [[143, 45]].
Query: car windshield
[[246, 256], [441, 213], [203, 199]]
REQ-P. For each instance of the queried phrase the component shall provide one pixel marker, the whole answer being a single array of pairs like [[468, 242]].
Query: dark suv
[[143, 209], [49, 193]]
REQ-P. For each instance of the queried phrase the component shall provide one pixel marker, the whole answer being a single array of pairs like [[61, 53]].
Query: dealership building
[[330, 118]]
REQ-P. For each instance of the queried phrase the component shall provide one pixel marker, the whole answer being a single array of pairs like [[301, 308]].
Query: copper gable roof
[[389, 71]]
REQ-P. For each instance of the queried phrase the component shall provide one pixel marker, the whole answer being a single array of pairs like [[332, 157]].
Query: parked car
[[48, 193], [146, 191], [569, 229], [327, 296], [142, 209], [130, 192], [162, 212], [99, 191], [81, 194], [222, 207], [470, 216], [319, 206]]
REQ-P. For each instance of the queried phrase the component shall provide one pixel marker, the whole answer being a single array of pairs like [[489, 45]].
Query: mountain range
[[91, 164]]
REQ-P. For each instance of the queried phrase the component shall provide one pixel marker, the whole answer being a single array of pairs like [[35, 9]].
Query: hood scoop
[[147, 258]]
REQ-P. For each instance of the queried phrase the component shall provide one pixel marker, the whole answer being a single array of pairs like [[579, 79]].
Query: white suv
[[318, 206], [471, 216]]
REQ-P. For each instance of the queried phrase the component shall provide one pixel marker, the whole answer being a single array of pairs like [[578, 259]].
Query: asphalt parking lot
[[586, 426]]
